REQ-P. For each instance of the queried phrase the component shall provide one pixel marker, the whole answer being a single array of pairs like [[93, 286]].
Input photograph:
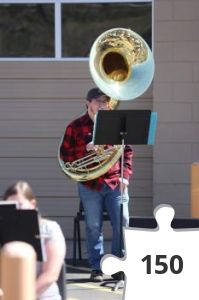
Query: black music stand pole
[[122, 127], [122, 133], [120, 283]]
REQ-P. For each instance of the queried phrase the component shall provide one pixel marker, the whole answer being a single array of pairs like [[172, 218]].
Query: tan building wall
[[176, 94]]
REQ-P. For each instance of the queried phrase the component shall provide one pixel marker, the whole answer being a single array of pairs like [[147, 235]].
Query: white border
[[58, 30]]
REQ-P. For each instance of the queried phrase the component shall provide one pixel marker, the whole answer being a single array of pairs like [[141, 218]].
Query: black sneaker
[[96, 276]]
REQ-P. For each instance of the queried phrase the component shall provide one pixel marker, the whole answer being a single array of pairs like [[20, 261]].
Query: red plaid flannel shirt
[[77, 135]]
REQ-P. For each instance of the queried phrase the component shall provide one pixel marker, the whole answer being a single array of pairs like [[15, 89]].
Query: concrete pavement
[[79, 286]]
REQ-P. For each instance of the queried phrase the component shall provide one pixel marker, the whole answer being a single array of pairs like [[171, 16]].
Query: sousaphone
[[122, 66]]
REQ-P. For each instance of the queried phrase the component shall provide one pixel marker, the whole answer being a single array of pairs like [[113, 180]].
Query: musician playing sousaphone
[[99, 191]]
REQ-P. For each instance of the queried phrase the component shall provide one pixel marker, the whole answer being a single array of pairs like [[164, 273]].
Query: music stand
[[7, 205], [21, 225], [121, 127]]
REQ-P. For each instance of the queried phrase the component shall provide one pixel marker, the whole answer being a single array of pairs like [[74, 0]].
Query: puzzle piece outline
[[164, 227]]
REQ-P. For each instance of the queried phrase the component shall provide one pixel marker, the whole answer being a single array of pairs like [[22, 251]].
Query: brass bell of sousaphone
[[121, 64]]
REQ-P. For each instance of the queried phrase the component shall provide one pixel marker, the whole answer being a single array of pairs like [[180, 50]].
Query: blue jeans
[[94, 203]]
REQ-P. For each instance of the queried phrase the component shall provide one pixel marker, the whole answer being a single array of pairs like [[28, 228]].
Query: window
[[83, 23], [62, 29], [27, 30]]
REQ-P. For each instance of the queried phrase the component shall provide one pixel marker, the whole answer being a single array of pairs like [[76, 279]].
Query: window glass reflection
[[27, 30], [83, 23]]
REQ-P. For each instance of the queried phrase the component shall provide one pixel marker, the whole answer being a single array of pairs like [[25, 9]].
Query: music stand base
[[118, 285]]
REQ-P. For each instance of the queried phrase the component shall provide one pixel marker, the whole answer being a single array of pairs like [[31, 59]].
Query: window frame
[[58, 27]]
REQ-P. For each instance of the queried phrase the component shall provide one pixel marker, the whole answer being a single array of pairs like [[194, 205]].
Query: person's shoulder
[[50, 225], [53, 232], [81, 120]]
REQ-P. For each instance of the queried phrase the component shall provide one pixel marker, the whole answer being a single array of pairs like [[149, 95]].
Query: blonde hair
[[20, 186]]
